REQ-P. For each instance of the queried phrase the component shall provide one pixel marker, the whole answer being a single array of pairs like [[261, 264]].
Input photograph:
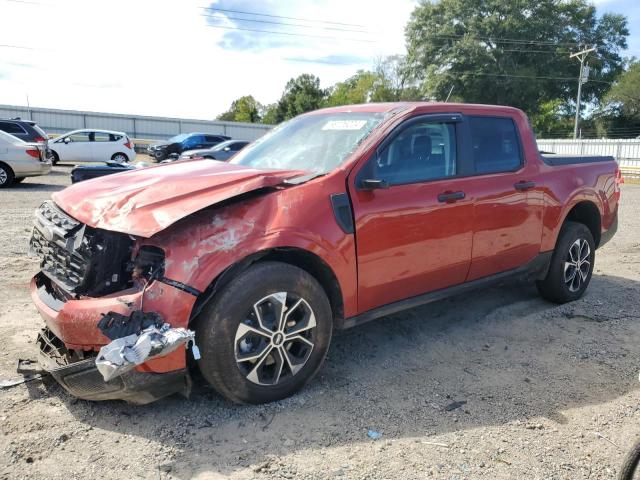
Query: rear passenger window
[[12, 128], [495, 144], [212, 139], [101, 137], [424, 151]]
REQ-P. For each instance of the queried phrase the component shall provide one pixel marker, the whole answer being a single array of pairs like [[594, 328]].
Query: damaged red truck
[[332, 219]]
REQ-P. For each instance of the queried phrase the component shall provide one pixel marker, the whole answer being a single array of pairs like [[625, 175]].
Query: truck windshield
[[317, 143]]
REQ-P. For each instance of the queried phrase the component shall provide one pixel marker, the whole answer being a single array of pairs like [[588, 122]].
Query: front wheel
[[265, 335], [6, 175], [571, 265]]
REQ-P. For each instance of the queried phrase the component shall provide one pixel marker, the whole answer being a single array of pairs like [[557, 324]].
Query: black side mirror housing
[[373, 184]]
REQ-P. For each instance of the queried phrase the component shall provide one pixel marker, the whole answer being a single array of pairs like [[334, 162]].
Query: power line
[[292, 34], [522, 76], [502, 40], [17, 46], [281, 16], [272, 22]]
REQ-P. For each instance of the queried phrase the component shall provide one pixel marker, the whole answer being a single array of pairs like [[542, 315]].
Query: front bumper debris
[[82, 379], [125, 353]]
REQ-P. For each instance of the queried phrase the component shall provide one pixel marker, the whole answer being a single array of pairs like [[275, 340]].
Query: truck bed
[[552, 159]]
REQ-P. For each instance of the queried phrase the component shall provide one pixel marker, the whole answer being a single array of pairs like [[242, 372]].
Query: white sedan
[[91, 145], [19, 159]]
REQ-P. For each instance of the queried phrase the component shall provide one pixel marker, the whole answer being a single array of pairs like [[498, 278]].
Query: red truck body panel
[[406, 242]]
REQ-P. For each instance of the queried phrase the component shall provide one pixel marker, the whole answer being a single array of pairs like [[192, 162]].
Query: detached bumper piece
[[82, 379], [150, 338]]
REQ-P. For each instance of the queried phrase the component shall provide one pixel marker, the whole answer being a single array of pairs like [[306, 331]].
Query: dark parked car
[[86, 172], [26, 130], [183, 142], [223, 151]]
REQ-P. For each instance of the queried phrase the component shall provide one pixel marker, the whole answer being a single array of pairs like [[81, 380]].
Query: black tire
[[571, 241], [6, 175], [54, 158], [630, 463], [18, 179], [217, 334], [124, 157]]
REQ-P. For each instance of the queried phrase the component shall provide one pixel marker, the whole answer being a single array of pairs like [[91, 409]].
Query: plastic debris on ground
[[123, 354], [373, 435]]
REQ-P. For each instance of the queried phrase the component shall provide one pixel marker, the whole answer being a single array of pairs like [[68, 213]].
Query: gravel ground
[[496, 384]]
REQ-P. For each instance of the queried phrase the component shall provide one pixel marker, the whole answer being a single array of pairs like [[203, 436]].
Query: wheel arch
[[587, 213], [6, 166], [301, 258]]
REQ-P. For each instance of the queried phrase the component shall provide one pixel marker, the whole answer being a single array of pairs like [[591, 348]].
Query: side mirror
[[226, 149], [373, 184], [66, 140]]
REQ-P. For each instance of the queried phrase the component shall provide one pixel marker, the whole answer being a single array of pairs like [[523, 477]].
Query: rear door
[[104, 146], [507, 200], [211, 140], [414, 236]]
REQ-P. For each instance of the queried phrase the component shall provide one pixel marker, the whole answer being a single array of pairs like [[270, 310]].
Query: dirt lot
[[496, 384]]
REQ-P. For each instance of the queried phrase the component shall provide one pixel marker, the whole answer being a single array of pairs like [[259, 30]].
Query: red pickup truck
[[334, 218]]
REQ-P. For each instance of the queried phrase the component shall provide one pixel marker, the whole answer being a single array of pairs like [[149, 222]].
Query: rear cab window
[[495, 145]]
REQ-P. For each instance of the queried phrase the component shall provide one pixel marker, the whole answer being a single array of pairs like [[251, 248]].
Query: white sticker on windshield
[[344, 125]]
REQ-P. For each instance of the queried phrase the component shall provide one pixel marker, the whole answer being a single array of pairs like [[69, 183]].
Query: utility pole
[[582, 56]]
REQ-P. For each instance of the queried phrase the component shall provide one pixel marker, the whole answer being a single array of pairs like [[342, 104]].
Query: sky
[[192, 58]]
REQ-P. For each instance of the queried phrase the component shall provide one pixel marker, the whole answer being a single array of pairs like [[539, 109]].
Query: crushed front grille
[[80, 259]]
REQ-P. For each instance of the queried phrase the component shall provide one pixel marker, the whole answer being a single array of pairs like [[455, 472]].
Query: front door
[[415, 235], [75, 147]]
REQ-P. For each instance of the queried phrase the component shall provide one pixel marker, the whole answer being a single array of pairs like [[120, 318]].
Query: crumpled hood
[[146, 201]]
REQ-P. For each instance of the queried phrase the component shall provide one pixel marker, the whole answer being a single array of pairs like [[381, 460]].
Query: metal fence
[[136, 126], [620, 149]]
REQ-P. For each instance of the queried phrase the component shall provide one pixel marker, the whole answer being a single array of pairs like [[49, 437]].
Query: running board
[[536, 268]]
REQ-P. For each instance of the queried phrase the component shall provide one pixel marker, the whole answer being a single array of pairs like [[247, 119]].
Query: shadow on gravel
[[482, 359]]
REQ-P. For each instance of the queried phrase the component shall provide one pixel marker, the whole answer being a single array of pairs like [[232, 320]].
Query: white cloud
[[161, 58]]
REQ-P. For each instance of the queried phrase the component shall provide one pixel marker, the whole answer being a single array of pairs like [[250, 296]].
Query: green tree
[[301, 94], [552, 120], [619, 115], [244, 109], [270, 114], [356, 89], [497, 51]]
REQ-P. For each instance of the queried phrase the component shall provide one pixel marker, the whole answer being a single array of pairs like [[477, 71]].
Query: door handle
[[447, 197], [524, 185]]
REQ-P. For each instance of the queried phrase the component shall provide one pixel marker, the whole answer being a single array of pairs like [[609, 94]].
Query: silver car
[[19, 160]]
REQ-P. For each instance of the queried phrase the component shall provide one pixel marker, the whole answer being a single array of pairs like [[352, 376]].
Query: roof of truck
[[399, 106]]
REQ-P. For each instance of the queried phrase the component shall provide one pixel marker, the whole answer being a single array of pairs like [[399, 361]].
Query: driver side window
[[424, 151]]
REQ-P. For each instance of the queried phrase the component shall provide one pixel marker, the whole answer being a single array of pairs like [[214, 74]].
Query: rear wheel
[[265, 335], [6, 175], [120, 157], [571, 265]]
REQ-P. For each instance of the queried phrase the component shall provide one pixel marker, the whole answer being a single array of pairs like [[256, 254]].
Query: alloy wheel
[[577, 264], [3, 176], [275, 339]]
